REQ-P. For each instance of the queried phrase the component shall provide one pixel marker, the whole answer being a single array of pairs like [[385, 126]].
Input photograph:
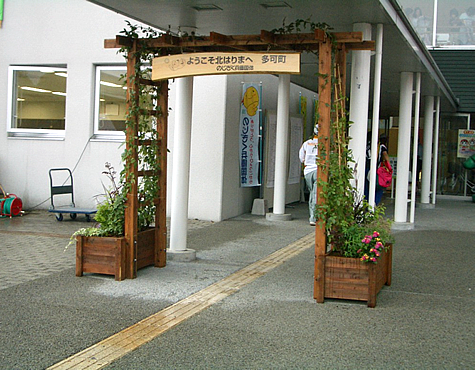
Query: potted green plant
[[101, 248], [122, 241], [357, 261]]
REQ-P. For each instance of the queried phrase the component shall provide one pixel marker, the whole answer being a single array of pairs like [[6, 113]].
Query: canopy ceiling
[[402, 51]]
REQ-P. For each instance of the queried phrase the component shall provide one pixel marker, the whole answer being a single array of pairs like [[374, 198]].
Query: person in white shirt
[[308, 156]]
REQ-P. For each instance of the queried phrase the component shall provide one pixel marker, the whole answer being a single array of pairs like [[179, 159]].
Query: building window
[[110, 103], [37, 101]]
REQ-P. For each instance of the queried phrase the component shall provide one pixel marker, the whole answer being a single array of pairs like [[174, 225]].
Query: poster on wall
[[249, 126], [271, 131], [296, 134], [303, 112], [466, 143]]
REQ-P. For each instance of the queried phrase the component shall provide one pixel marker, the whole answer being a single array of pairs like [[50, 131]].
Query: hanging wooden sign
[[198, 64]]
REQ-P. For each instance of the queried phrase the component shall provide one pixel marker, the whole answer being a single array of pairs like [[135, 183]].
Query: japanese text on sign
[[224, 63]]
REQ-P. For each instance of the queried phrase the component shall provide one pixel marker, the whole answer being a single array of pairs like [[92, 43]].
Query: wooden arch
[[167, 44]]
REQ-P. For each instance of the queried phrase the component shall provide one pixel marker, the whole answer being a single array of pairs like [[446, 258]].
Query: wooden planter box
[[108, 255], [349, 278]]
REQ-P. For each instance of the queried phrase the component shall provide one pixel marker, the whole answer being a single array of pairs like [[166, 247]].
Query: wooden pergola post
[[324, 119], [161, 205], [131, 210]]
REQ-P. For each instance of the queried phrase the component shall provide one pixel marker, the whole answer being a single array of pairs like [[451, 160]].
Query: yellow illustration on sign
[[251, 101], [197, 64]]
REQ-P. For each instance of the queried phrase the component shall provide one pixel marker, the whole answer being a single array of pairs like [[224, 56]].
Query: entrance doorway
[[453, 178]]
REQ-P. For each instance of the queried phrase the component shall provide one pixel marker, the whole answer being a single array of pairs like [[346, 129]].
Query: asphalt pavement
[[424, 320]]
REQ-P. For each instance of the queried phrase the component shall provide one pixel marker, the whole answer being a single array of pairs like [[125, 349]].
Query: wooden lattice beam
[[263, 42]]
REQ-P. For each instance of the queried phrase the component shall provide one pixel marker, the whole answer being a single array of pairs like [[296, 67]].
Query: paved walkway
[[38, 237], [424, 320]]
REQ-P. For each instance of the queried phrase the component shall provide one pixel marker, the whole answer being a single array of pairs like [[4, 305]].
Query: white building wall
[[72, 33]]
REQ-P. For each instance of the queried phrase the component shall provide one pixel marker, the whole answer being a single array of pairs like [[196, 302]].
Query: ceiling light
[[110, 84], [59, 93], [61, 74], [34, 89], [276, 4], [46, 70], [20, 99], [206, 7]]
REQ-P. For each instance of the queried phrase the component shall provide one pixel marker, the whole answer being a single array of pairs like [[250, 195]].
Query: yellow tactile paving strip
[[103, 353]]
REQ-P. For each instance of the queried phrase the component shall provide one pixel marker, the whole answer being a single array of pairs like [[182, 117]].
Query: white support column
[[375, 120], [181, 172], [435, 150], [281, 150], [359, 103], [427, 149], [403, 150], [415, 145]]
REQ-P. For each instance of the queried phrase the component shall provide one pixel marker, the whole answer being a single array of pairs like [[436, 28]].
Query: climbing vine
[[142, 146]]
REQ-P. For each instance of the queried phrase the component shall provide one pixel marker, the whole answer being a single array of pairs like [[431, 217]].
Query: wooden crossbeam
[[348, 37], [147, 82], [219, 42], [220, 39], [267, 37], [363, 45], [142, 173]]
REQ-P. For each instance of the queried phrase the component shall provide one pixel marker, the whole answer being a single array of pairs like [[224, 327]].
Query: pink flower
[[373, 259], [375, 234]]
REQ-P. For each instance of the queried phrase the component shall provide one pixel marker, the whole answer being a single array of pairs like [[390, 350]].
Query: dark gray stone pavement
[[424, 320]]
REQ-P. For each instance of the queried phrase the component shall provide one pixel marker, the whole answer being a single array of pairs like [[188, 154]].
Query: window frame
[[12, 108], [107, 135]]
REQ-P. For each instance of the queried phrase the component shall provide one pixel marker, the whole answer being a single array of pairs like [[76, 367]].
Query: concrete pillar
[[427, 149], [359, 103], [181, 172], [404, 148], [415, 146], [281, 150], [435, 150], [375, 120]]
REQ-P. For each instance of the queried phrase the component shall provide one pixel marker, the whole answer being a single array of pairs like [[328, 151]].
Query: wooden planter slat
[[349, 278], [108, 255], [146, 248]]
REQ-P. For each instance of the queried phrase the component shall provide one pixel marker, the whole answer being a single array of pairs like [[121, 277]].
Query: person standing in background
[[382, 156], [308, 156]]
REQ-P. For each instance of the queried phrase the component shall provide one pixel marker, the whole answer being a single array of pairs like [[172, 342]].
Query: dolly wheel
[[59, 216], [73, 216]]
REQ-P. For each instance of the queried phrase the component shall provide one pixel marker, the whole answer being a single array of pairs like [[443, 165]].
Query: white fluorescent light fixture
[[61, 74], [275, 4], [59, 93], [34, 89], [206, 7], [20, 99], [47, 70], [110, 84]]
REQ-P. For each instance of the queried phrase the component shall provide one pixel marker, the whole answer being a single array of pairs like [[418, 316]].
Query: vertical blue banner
[[249, 124]]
